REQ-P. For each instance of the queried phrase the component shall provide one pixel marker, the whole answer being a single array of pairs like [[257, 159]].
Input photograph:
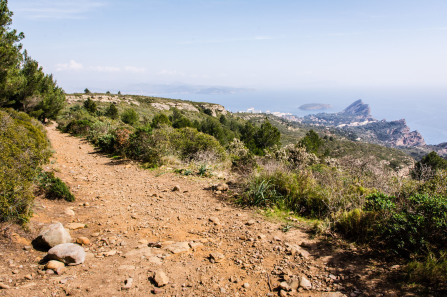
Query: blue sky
[[111, 45]]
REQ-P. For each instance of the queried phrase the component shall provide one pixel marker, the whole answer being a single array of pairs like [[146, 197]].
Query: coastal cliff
[[356, 120]]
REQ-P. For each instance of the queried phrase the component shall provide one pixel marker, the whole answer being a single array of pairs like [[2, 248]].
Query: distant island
[[315, 106]]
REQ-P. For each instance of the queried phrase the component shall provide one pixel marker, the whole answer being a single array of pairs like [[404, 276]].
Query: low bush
[[112, 111], [190, 144], [78, 127], [143, 146], [431, 271], [54, 188], [355, 224], [24, 148], [406, 226], [130, 116]]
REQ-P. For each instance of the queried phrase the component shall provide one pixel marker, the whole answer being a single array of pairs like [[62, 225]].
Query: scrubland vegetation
[[27, 96], [367, 193]]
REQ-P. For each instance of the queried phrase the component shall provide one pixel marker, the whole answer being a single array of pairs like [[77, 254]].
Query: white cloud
[[72, 65], [171, 73], [134, 69], [56, 9], [229, 40], [104, 69], [263, 37]]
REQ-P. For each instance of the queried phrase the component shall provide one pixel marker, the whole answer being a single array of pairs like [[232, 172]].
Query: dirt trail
[[125, 207]]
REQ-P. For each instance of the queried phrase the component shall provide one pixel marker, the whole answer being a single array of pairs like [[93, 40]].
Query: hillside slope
[[125, 208]]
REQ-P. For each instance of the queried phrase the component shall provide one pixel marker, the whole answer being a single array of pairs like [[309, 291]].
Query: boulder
[[69, 253], [51, 236]]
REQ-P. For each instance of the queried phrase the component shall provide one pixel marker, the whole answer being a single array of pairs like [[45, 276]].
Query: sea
[[423, 110]]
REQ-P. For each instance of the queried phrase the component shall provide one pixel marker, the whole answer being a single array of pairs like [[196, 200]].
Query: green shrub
[[130, 116], [298, 192], [257, 140], [78, 127], [160, 120], [260, 193], [190, 144], [242, 160], [413, 225], [24, 147], [312, 142], [355, 224], [90, 105], [436, 185], [54, 187], [106, 142], [432, 271], [142, 146], [112, 111]]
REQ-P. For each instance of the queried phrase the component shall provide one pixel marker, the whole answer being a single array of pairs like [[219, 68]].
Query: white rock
[[178, 247], [53, 235], [69, 253], [69, 212], [305, 283]]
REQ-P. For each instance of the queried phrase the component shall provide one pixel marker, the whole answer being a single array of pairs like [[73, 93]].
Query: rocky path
[[166, 234]]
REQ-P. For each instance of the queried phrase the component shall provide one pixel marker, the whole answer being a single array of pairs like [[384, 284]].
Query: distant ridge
[[315, 106], [358, 108]]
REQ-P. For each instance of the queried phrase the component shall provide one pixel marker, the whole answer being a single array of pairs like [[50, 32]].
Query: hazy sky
[[111, 44]]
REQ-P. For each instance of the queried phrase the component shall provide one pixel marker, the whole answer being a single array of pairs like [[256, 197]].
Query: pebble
[[83, 240], [221, 187], [69, 212], [160, 278], [246, 285], [216, 257], [305, 283], [75, 226], [4, 286], [127, 284], [53, 264], [60, 270], [109, 253], [157, 291], [214, 220], [176, 188]]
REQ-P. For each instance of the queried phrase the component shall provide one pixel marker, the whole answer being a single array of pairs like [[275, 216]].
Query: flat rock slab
[[138, 253], [178, 247], [68, 253], [75, 226]]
